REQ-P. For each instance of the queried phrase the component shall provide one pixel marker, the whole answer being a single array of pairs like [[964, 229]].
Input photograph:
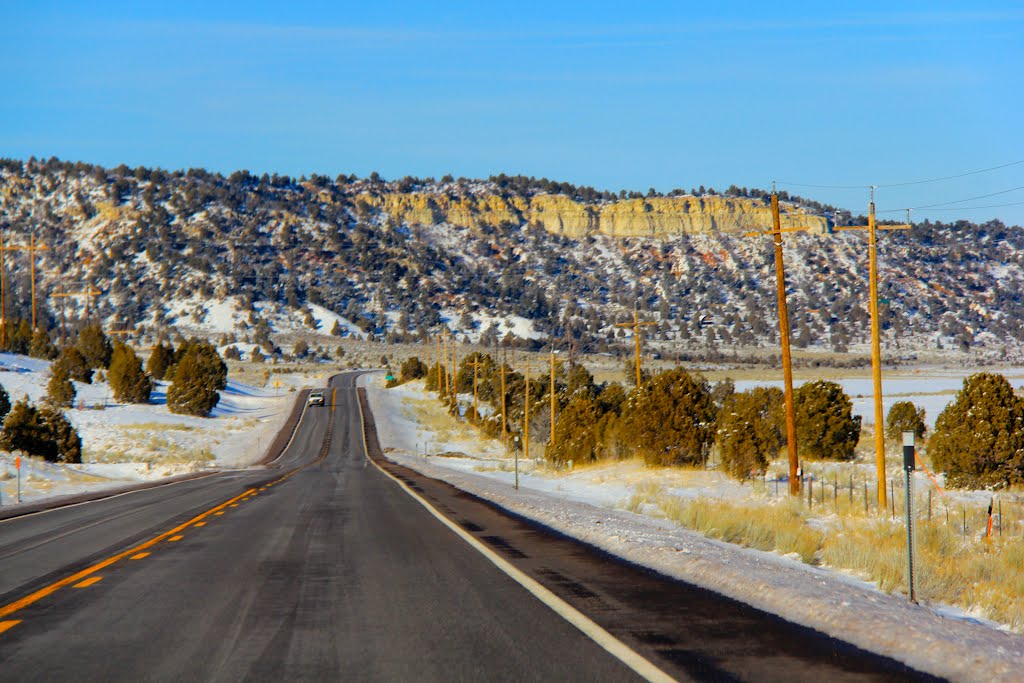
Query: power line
[[951, 177], [904, 184], [958, 201], [960, 208]]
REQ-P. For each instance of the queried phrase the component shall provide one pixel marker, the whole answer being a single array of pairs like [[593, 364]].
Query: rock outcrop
[[561, 215]]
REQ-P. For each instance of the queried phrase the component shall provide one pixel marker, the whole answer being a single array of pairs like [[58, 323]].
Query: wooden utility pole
[[876, 344], [526, 416], [32, 248], [447, 375], [552, 390], [455, 370], [787, 362], [88, 292], [439, 366], [635, 326], [504, 417], [475, 365]]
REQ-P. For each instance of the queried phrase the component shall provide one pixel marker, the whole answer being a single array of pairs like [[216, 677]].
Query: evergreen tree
[[669, 419], [160, 358], [194, 385], [95, 346], [825, 424], [979, 437], [65, 445], [576, 436], [5, 403], [75, 365], [904, 416], [24, 431], [60, 390], [126, 376], [19, 336], [749, 433], [41, 346], [412, 368]]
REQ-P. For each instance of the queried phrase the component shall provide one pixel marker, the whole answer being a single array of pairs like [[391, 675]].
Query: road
[[322, 567]]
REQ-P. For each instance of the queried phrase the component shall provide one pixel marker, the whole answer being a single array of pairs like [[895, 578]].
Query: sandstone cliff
[[558, 214]]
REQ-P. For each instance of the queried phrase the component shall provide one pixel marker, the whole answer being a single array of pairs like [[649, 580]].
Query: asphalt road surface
[[321, 567]]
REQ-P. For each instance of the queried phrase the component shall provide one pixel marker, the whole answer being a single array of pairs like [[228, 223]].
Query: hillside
[[253, 256]]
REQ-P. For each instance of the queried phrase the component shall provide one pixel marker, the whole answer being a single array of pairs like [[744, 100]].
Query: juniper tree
[[749, 433], [126, 376], [825, 424], [41, 346], [904, 416], [76, 365], [669, 419], [160, 358], [979, 438], [195, 382], [95, 346], [5, 403], [60, 390]]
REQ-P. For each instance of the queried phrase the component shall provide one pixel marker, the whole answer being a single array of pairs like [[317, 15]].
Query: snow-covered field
[[127, 443], [591, 505]]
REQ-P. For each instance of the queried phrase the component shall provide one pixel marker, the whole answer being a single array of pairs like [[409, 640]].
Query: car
[[315, 398]]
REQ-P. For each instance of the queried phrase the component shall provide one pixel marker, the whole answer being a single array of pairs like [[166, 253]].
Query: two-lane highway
[[335, 564], [333, 573]]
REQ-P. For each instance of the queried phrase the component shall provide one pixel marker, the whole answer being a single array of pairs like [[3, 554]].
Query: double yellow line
[[198, 520]]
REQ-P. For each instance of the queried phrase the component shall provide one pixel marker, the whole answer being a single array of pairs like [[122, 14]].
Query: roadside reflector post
[[17, 466], [908, 468]]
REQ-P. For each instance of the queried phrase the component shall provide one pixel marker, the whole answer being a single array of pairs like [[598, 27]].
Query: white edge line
[[110, 497], [294, 432], [607, 641]]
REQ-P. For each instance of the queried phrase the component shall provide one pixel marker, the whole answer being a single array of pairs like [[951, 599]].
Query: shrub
[[411, 369], [195, 383], [904, 416], [95, 346], [44, 432], [825, 424], [576, 435], [75, 364], [60, 390], [41, 346], [979, 437], [127, 378], [160, 359], [669, 419], [749, 432], [5, 403]]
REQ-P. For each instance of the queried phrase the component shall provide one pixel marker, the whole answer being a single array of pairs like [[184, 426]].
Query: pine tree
[[825, 424], [95, 346], [160, 358], [576, 436], [41, 346], [979, 437], [904, 416], [127, 378], [75, 364], [60, 390]]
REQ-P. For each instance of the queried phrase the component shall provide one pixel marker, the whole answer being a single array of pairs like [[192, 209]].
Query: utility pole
[[876, 344], [88, 292], [635, 326], [439, 366], [787, 362], [526, 416], [475, 365], [447, 375], [32, 248], [552, 390], [455, 370], [504, 417]]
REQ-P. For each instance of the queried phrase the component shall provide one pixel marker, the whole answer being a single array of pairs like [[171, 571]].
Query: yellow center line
[[172, 539], [138, 556], [218, 514], [199, 524], [88, 582], [32, 598], [4, 625]]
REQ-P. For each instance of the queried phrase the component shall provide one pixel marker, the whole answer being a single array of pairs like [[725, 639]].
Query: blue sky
[[613, 95]]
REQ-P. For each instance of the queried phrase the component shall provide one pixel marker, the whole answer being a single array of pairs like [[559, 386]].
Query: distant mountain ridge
[[547, 260]]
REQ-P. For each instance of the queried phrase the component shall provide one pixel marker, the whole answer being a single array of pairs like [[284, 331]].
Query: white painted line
[[610, 643]]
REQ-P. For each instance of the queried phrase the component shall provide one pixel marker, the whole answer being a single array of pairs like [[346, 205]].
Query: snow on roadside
[[128, 443], [938, 639]]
